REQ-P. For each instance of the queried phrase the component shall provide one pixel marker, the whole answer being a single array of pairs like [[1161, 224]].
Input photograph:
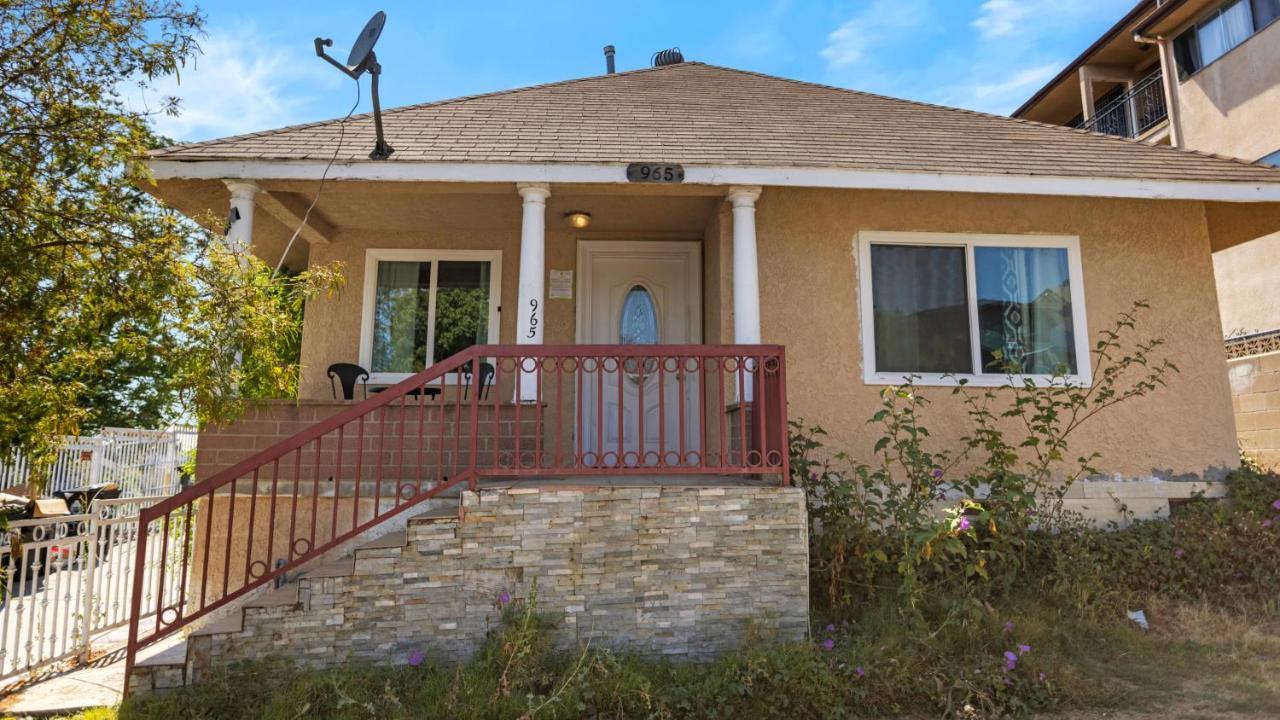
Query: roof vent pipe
[[667, 57], [608, 59]]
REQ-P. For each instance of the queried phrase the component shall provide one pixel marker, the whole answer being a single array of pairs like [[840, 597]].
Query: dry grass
[[1197, 662]]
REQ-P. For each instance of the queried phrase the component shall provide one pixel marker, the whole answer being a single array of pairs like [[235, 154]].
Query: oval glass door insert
[[639, 322]]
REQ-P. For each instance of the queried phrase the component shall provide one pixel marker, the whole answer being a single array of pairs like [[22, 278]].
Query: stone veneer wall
[[670, 571], [1255, 398]]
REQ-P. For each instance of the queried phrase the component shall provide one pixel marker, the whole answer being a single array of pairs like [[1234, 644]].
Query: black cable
[[342, 132]]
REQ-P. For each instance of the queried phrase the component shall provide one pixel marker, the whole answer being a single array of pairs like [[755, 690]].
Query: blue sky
[[258, 70]]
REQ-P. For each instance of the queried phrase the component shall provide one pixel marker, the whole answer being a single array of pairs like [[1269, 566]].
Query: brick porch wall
[[425, 442]]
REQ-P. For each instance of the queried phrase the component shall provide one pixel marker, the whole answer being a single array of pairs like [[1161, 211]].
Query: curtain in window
[[1024, 310], [400, 314], [920, 308], [1232, 25]]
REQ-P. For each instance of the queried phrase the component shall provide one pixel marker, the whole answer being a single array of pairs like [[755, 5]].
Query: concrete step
[[279, 597], [441, 513], [390, 540]]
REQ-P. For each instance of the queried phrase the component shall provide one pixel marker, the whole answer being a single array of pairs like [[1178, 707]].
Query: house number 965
[[533, 318], [655, 172]]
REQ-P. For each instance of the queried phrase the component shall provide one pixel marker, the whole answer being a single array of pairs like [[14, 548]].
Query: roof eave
[[724, 175]]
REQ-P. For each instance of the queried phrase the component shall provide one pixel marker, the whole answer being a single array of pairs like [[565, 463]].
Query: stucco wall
[[1231, 106], [1248, 276], [1131, 249]]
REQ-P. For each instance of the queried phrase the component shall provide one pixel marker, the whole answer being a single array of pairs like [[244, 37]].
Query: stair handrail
[[232, 474]]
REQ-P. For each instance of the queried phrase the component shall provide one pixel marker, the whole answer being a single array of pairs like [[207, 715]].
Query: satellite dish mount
[[360, 61]]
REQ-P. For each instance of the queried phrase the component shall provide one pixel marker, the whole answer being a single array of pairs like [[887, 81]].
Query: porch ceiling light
[[577, 219]]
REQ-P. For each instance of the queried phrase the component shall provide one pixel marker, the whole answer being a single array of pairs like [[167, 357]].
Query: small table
[[430, 392]]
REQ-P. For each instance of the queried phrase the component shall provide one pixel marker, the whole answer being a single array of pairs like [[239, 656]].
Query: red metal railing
[[583, 410]]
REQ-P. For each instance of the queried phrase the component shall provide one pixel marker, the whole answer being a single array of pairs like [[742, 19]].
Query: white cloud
[[1000, 96], [1000, 18], [242, 82], [1010, 18], [884, 22]]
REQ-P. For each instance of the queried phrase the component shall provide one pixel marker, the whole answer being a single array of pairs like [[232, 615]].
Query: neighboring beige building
[[1202, 75]]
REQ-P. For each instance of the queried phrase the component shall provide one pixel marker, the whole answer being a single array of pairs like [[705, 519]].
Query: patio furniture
[[348, 374], [484, 379]]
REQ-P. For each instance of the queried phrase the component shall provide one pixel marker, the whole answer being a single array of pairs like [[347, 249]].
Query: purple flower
[[416, 658], [1178, 553], [937, 473], [1008, 627], [1043, 677], [1023, 649], [831, 627], [504, 599], [828, 643], [1010, 660], [1276, 504], [813, 477], [1266, 523], [963, 525], [859, 671]]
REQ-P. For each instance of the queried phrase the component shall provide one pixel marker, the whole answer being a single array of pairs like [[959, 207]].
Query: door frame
[[588, 250]]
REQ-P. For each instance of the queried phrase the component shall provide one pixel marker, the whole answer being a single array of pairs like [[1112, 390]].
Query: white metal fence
[[71, 577], [141, 462]]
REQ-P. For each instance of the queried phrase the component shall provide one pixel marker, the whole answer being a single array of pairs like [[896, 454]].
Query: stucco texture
[[1131, 249], [1231, 106]]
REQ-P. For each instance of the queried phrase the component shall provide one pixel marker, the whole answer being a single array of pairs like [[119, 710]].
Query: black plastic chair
[[485, 379], [348, 374]]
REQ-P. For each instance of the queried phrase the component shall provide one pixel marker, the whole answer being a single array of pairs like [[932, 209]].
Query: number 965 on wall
[[655, 172]]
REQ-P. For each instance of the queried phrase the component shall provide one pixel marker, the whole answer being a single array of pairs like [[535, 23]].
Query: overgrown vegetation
[[944, 583]]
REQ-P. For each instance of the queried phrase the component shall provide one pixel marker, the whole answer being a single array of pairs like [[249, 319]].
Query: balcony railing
[[586, 410], [1134, 112]]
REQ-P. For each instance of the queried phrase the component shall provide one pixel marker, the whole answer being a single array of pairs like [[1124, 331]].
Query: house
[[1201, 75], [596, 304]]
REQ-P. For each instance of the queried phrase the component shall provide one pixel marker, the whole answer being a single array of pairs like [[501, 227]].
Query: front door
[[640, 293]]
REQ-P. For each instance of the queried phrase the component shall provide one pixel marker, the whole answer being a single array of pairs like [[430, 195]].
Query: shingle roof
[[704, 115]]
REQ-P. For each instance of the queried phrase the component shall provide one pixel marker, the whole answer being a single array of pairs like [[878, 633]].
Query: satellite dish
[[368, 37], [360, 61]]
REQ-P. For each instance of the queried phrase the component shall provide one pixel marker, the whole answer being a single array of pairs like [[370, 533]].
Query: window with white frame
[[940, 307], [422, 306]]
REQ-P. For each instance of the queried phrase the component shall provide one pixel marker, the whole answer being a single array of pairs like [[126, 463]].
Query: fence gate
[[70, 578]]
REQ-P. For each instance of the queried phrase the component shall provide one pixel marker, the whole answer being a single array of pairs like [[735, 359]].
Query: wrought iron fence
[[68, 578], [1133, 113]]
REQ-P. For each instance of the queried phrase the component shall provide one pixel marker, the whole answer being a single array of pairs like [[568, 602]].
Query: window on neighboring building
[[422, 307], [972, 306], [1224, 28], [1272, 159]]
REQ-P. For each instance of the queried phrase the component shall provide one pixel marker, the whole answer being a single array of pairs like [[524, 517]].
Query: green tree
[[114, 309]]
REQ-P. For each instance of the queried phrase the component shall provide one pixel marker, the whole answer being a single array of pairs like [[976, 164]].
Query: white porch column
[[746, 273], [240, 228], [532, 296]]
